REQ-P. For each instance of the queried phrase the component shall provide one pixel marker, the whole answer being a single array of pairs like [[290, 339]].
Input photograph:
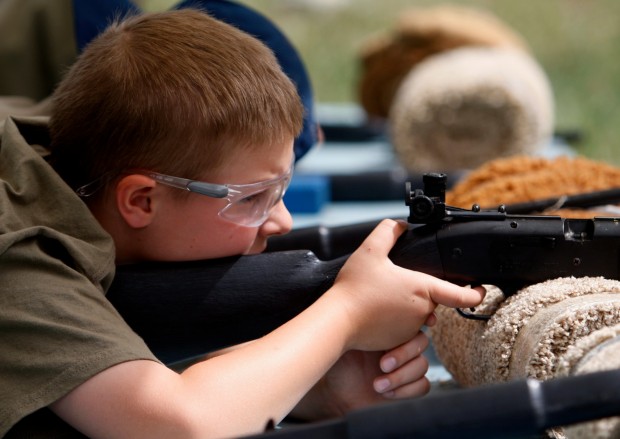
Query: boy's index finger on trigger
[[454, 296]]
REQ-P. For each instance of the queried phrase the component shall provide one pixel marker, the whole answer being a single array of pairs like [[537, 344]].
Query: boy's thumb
[[384, 236]]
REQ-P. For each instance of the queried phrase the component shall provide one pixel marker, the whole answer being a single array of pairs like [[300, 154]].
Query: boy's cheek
[[239, 241]]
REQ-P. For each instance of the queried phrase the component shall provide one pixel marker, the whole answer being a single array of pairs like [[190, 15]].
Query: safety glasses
[[248, 204]]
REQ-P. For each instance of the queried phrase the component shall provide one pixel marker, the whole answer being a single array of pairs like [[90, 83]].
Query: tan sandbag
[[562, 327], [528, 332], [596, 352], [461, 108], [418, 33], [522, 178]]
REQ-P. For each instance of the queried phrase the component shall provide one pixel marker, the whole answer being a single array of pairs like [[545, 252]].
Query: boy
[[156, 100]]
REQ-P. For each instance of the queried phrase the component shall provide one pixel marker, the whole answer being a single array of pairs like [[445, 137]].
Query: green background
[[576, 42]]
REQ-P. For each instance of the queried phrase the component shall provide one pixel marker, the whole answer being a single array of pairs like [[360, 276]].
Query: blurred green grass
[[576, 42]]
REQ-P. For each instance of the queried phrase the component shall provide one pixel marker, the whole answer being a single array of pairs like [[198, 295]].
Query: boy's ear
[[134, 200]]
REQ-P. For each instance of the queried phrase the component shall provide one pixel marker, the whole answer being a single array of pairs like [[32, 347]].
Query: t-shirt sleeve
[[58, 329]]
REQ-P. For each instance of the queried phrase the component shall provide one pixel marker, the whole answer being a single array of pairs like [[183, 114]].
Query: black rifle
[[187, 309]]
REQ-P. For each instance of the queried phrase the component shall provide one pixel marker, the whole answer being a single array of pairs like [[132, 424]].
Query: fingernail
[[388, 364], [382, 384]]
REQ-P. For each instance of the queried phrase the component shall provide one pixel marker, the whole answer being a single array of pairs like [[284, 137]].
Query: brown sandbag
[[596, 352], [460, 108], [527, 333], [385, 59], [523, 178], [556, 328]]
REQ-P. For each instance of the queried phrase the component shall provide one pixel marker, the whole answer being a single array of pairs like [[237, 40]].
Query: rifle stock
[[187, 309]]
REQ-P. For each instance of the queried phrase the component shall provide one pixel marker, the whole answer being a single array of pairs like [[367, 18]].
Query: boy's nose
[[279, 221]]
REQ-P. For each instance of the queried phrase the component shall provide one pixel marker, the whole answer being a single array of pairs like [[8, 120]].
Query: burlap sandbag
[[522, 178], [527, 333], [419, 33], [594, 353], [545, 330], [458, 109], [556, 328]]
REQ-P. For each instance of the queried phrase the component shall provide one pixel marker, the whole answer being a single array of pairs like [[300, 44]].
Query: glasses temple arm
[[208, 189]]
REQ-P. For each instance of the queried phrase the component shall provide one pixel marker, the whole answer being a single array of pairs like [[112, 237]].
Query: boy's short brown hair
[[176, 92]]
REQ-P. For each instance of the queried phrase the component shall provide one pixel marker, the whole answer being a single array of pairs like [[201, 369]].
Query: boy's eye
[[254, 198]]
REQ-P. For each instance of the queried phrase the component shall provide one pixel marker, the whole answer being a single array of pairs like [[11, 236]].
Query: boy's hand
[[361, 379], [404, 370], [387, 304]]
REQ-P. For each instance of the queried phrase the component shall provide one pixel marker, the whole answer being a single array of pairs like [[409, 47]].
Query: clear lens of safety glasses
[[250, 206]]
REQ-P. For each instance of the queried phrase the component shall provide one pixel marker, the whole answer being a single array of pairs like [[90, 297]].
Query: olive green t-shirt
[[56, 327]]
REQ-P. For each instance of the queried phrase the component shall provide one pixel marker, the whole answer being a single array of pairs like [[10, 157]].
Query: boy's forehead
[[252, 162]]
